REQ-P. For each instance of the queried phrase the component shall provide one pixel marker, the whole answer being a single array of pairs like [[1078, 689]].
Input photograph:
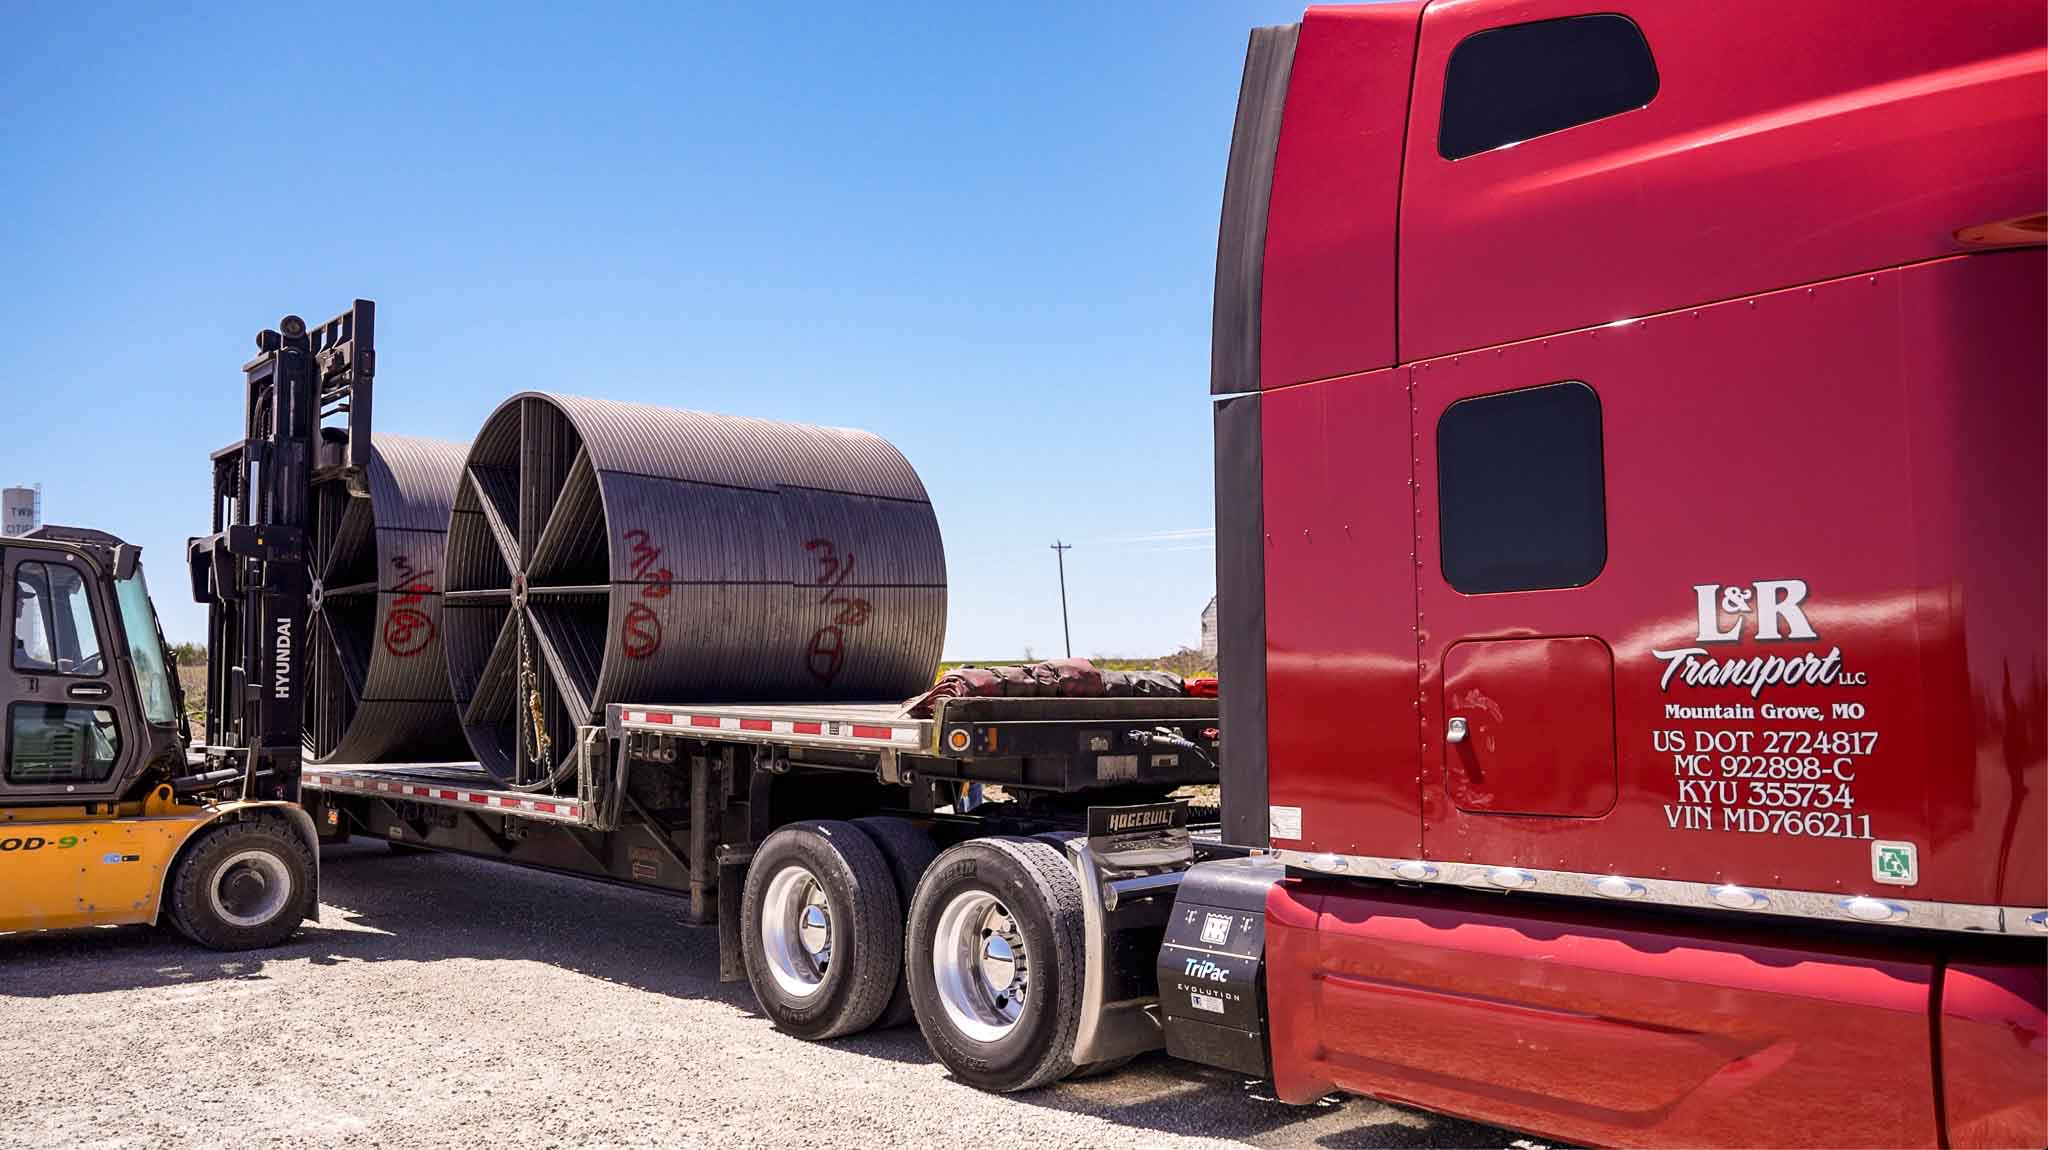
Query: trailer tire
[[241, 885], [1023, 892], [821, 929], [910, 852]]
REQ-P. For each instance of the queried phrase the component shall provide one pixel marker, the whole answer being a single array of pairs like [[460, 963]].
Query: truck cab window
[[54, 628], [1522, 503], [1506, 85]]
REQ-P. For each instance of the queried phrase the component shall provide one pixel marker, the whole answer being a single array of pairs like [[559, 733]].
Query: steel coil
[[603, 552], [379, 689]]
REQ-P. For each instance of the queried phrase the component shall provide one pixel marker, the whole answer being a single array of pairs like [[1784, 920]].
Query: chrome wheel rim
[[979, 966], [250, 888], [796, 931]]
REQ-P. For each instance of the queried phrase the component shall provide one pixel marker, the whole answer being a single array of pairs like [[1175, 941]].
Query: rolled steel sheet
[[379, 668], [603, 552]]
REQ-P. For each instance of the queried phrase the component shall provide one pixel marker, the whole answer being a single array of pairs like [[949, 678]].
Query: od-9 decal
[[10, 844]]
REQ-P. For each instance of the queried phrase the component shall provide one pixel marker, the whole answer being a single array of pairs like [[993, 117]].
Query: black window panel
[[1522, 491], [1505, 85], [51, 743]]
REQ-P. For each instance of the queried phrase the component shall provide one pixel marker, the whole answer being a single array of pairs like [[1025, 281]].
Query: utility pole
[[1060, 549]]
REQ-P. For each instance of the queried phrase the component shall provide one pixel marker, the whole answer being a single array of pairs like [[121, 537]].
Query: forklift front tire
[[241, 885]]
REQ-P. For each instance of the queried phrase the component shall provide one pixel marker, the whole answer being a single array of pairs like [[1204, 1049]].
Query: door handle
[[1454, 731], [90, 691]]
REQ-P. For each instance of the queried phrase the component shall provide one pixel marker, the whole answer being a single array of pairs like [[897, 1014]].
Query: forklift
[[110, 812]]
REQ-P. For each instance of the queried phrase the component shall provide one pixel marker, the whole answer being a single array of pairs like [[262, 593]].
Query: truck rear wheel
[[822, 930], [995, 950], [910, 852], [241, 886]]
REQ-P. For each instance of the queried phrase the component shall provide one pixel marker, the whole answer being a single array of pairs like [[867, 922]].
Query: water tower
[[21, 509]]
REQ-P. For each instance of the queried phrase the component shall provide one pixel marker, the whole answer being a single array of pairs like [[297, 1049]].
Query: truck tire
[[241, 885], [910, 852], [821, 929], [995, 949]]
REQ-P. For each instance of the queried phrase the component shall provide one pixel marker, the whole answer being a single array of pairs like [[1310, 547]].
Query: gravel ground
[[445, 1002]]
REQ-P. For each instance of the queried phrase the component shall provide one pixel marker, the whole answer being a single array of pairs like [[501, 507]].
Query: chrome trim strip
[[1859, 907]]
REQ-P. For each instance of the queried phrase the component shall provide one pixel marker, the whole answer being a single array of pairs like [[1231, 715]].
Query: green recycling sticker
[[1895, 863]]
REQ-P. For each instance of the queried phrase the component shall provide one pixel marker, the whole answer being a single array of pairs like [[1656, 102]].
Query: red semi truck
[[1633, 570], [1632, 519]]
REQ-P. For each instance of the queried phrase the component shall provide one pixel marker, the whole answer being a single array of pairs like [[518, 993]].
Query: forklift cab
[[90, 698]]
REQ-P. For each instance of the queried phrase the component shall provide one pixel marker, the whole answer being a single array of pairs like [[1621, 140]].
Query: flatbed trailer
[[679, 799]]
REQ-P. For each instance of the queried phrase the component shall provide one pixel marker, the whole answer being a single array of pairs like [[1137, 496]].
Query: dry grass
[[192, 679]]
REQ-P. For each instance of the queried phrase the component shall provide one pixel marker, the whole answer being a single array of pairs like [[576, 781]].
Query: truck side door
[[62, 732]]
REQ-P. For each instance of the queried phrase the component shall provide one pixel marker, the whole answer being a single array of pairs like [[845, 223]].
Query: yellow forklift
[[109, 812]]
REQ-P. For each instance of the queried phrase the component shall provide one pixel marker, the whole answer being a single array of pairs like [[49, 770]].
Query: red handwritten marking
[[640, 631], [828, 643], [407, 629]]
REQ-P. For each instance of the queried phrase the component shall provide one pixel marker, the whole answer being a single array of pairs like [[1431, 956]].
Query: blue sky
[[986, 235]]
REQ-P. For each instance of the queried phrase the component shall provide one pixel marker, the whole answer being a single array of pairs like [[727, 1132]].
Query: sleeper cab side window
[[1522, 490], [1506, 85]]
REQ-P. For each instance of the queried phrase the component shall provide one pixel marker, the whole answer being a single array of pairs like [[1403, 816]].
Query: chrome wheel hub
[[979, 966], [796, 931]]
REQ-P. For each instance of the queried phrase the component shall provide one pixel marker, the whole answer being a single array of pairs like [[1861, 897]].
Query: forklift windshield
[[146, 650]]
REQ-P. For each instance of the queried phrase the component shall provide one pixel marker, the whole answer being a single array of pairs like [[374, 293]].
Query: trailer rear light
[[1615, 886], [958, 739], [1873, 909], [1739, 898]]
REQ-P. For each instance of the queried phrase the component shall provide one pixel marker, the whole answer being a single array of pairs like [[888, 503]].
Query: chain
[[537, 749]]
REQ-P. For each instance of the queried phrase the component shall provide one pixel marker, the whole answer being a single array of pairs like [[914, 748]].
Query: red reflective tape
[[704, 720], [808, 728], [757, 725], [861, 732]]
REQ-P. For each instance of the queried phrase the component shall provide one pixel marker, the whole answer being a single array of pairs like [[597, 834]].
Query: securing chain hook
[[533, 734]]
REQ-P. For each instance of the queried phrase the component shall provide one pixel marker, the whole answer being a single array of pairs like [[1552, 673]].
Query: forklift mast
[[308, 397]]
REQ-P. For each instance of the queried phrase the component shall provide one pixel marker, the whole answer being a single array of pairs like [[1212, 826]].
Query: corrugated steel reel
[[379, 688], [605, 552]]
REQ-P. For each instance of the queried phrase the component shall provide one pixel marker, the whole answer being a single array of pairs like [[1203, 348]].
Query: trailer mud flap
[[1212, 965], [1129, 865]]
